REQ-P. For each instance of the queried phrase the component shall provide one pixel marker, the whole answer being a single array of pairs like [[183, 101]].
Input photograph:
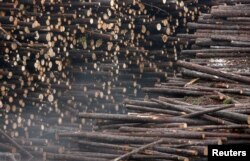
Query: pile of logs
[[203, 105], [221, 38], [180, 123], [160, 129], [57, 49], [61, 57], [64, 60]]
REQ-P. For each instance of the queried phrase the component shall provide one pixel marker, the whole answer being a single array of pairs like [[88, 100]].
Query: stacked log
[[180, 117], [62, 57], [163, 128], [66, 60], [54, 45], [220, 38], [180, 123]]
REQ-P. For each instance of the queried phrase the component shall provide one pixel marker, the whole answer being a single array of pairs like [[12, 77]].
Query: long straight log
[[169, 91], [155, 110], [139, 118], [242, 118], [195, 114], [121, 139]]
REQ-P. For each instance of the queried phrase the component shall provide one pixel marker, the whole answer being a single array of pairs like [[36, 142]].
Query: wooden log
[[229, 13], [206, 111], [179, 92], [112, 138], [216, 26], [137, 118], [148, 109]]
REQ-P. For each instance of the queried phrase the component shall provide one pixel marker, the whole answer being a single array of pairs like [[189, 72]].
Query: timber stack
[[59, 57], [203, 105], [68, 65]]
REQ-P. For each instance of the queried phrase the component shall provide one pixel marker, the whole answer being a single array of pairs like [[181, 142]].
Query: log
[[195, 114], [138, 118]]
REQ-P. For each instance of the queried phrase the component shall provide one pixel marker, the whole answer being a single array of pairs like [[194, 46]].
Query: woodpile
[[202, 105], [221, 38], [68, 65]]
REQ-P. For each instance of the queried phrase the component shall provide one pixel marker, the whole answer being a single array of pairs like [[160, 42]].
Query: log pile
[[221, 38], [202, 105], [163, 128], [60, 57], [178, 121], [65, 60], [53, 48]]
